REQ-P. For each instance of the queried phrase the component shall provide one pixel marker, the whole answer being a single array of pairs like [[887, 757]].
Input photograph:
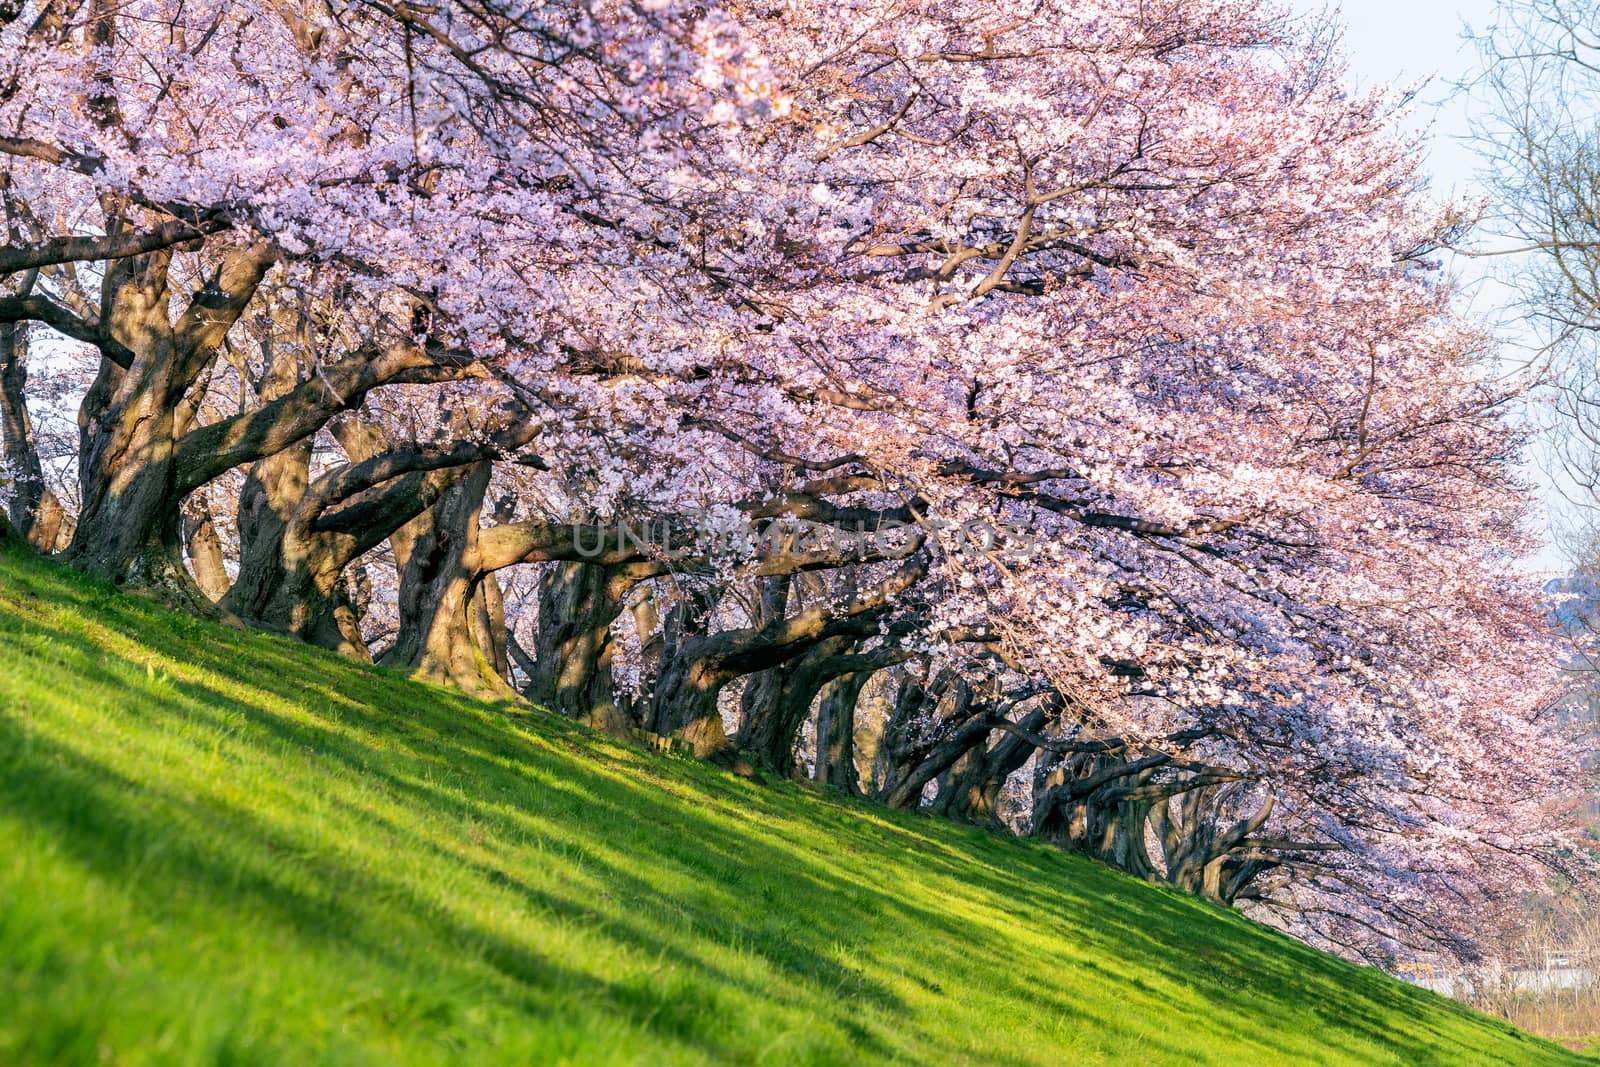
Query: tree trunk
[[1200, 843], [684, 704], [907, 791], [128, 530], [971, 791], [35, 512], [305, 536], [835, 764], [204, 547], [783, 702], [920, 744], [763, 690], [489, 625], [288, 581], [683, 701], [131, 418], [775, 702], [442, 637], [695, 670], [571, 673], [288, 575]]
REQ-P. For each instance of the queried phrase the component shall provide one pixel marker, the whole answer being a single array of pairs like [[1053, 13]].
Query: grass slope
[[227, 848]]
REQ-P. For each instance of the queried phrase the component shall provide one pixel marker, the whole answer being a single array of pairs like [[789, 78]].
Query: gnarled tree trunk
[[1205, 852], [204, 548], [962, 733], [288, 575], [571, 665], [694, 671], [835, 762], [1084, 804], [683, 701], [128, 529], [785, 695], [971, 790], [447, 634], [132, 417], [35, 512]]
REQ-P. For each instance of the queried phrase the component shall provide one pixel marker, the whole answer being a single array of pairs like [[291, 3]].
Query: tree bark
[[971, 792], [692, 675], [761, 702], [1086, 806], [835, 762], [35, 512], [571, 668], [128, 528], [204, 548], [489, 625], [446, 635], [683, 700], [772, 721], [969, 732], [920, 743], [130, 421], [279, 569], [1205, 853], [301, 538]]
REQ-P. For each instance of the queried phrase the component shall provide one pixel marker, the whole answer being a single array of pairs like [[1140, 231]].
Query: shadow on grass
[[632, 825]]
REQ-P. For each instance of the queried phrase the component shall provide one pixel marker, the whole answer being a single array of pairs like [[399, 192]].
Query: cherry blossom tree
[[1076, 380], [461, 171]]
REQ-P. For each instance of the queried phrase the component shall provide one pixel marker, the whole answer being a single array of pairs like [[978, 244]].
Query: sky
[[1403, 42]]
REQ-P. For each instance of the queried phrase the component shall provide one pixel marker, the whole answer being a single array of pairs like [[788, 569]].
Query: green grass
[[226, 848]]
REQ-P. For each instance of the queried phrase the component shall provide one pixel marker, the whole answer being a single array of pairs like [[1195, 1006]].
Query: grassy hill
[[227, 848]]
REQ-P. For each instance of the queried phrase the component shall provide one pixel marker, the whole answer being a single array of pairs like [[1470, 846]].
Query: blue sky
[[1400, 42]]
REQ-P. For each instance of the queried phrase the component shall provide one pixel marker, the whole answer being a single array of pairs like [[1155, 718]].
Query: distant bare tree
[[1542, 72]]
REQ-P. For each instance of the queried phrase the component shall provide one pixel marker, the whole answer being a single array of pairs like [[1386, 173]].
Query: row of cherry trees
[[1045, 414]]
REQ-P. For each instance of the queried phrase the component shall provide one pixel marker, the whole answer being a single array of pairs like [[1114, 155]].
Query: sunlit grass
[[226, 848]]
